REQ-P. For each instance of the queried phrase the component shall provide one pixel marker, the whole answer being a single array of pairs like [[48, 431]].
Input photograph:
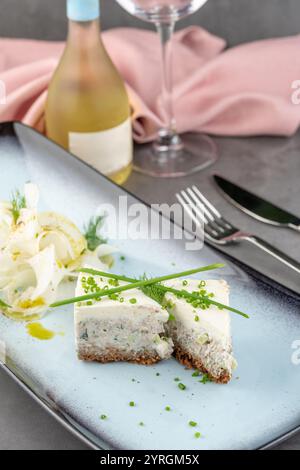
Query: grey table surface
[[268, 166]]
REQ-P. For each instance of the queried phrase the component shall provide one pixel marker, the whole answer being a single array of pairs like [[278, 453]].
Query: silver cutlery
[[256, 207], [218, 231]]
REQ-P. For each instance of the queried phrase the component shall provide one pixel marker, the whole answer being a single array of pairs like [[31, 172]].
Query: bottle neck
[[84, 34]]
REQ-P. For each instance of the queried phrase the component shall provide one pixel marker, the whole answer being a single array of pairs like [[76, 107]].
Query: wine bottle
[[87, 110]]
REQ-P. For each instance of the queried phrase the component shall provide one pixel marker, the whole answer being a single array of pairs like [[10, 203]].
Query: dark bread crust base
[[191, 362], [113, 355]]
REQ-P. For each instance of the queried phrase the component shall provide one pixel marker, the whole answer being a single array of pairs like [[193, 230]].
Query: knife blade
[[257, 207]]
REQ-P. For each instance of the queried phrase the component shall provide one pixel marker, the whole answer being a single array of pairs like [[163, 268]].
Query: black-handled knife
[[257, 207]]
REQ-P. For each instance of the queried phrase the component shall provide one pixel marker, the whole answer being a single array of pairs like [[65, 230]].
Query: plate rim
[[59, 417]]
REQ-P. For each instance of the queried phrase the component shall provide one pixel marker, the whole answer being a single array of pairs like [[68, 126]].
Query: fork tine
[[194, 206], [199, 203], [223, 221], [189, 211], [206, 202], [189, 207]]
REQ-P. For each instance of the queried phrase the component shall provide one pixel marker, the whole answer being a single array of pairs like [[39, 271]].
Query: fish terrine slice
[[202, 336], [128, 327]]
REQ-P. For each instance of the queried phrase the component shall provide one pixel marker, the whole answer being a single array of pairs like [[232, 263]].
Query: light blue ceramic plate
[[260, 405]]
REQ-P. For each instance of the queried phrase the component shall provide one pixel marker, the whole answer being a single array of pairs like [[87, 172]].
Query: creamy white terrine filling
[[132, 323], [203, 334]]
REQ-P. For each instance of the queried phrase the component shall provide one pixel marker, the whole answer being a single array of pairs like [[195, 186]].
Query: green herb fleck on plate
[[181, 386], [193, 424]]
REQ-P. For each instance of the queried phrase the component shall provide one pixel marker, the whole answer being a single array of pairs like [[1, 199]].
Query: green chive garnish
[[103, 417], [205, 379], [133, 301], [193, 424], [197, 435], [194, 297], [168, 408], [181, 386], [131, 403]]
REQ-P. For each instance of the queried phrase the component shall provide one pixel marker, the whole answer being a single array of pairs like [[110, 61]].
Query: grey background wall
[[235, 20]]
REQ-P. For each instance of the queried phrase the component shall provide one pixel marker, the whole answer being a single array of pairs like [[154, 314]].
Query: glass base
[[197, 153]]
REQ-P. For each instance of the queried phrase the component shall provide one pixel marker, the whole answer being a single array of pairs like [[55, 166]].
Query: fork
[[219, 231]]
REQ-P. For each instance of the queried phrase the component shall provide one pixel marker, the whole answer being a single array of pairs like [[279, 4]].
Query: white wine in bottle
[[87, 110]]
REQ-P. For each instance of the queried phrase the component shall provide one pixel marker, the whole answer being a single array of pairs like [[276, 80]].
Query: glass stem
[[168, 138]]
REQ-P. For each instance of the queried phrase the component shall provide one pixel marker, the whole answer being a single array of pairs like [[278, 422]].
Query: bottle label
[[108, 151]]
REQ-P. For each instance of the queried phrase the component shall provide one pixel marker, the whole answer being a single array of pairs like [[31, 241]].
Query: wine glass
[[171, 155]]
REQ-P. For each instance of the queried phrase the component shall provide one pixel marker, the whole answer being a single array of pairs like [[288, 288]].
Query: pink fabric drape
[[246, 90]]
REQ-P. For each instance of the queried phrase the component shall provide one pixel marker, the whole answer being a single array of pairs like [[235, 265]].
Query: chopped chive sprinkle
[[141, 423], [103, 417], [133, 301], [168, 408], [177, 379], [196, 373], [184, 283], [157, 374], [193, 424], [122, 258], [197, 435], [172, 317], [197, 318], [131, 403], [205, 379], [181, 386]]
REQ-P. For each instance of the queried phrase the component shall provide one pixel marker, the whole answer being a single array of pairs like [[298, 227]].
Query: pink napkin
[[246, 90]]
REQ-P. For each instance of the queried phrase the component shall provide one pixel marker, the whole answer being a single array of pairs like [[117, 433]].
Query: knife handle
[[275, 253]]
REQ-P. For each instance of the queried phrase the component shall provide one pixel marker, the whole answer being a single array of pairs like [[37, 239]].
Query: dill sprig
[[155, 292], [18, 202], [92, 232]]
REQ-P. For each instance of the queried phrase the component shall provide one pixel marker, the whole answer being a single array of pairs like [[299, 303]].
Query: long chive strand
[[134, 285]]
